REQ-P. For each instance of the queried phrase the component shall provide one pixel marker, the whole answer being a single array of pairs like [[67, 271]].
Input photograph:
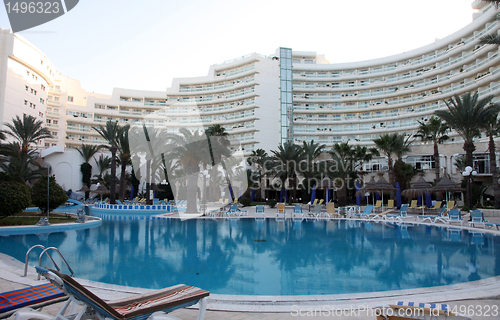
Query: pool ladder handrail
[[46, 251]]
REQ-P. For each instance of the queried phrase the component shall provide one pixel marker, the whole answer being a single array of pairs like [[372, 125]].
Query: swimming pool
[[270, 257]]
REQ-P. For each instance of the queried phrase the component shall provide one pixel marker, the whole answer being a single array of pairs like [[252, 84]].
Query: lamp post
[[205, 174], [469, 173]]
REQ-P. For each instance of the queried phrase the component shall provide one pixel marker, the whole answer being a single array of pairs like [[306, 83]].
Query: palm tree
[[466, 115], [18, 160], [87, 151], [191, 153], [391, 144], [26, 131], [287, 158], [110, 133], [492, 128], [434, 130], [22, 167], [125, 155], [219, 146], [259, 158], [103, 164], [308, 167], [342, 168]]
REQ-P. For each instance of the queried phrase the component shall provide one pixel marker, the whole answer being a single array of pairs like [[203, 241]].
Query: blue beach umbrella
[[419, 200], [358, 197], [313, 194], [252, 195], [132, 193], [428, 200], [327, 194], [230, 192], [398, 195], [377, 196]]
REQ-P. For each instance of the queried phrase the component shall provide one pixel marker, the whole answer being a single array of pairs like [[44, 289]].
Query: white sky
[[145, 44]]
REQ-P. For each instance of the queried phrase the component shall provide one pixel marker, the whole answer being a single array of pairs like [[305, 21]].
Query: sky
[[145, 44]]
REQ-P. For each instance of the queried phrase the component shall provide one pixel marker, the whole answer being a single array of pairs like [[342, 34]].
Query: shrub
[[245, 202], [14, 197], [271, 203], [57, 196]]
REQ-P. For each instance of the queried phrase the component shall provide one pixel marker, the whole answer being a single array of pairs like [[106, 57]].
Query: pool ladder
[[46, 251]]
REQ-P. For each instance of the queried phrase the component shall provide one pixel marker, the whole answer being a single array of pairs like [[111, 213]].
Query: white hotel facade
[[263, 101]]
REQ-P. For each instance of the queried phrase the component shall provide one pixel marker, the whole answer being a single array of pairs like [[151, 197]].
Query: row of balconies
[[214, 97], [217, 85], [449, 51], [411, 87]]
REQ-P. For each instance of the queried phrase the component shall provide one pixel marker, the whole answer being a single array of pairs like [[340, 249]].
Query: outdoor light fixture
[[469, 173]]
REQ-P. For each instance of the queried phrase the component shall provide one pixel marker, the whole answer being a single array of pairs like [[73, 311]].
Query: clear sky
[[145, 44]]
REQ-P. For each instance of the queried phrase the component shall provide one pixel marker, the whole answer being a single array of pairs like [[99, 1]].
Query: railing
[[46, 251]]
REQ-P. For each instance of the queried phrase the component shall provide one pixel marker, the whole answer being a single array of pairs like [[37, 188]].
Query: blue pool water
[[268, 257]]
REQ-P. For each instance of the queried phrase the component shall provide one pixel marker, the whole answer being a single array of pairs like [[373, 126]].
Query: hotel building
[[263, 101]]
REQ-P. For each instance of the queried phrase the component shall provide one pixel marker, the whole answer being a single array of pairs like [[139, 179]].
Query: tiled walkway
[[10, 280]]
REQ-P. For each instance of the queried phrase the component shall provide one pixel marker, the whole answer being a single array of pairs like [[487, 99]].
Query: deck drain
[[259, 240]]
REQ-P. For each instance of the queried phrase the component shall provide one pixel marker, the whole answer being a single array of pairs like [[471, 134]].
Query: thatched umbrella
[[383, 185], [447, 185], [366, 188], [101, 190], [84, 189], [419, 188]]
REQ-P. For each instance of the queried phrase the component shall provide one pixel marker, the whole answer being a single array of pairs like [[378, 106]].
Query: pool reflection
[[270, 257]]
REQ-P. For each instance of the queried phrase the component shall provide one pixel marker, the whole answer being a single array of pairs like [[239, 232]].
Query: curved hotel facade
[[263, 101]]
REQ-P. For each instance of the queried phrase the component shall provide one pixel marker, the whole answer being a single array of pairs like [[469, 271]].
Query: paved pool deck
[[476, 296]]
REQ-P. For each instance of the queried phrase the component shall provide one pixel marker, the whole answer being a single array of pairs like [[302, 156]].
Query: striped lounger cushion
[[441, 307], [138, 306], [28, 296]]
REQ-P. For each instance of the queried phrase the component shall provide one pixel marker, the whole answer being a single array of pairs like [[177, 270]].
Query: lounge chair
[[434, 218], [413, 205], [366, 213], [450, 205], [316, 211], [412, 310], [330, 210], [390, 205], [477, 216], [490, 225], [315, 202], [281, 210], [436, 207], [259, 210], [321, 201], [138, 307], [118, 202], [378, 206], [235, 211], [454, 216], [297, 212], [33, 297], [400, 216]]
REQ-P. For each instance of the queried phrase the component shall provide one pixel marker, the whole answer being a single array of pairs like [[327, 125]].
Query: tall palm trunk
[[112, 180], [469, 148], [192, 180], [392, 179], [436, 160], [122, 180], [494, 171]]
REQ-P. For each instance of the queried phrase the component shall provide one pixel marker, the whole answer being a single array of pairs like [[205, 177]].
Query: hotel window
[[54, 133], [26, 87], [25, 102], [48, 121], [70, 98], [55, 121]]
